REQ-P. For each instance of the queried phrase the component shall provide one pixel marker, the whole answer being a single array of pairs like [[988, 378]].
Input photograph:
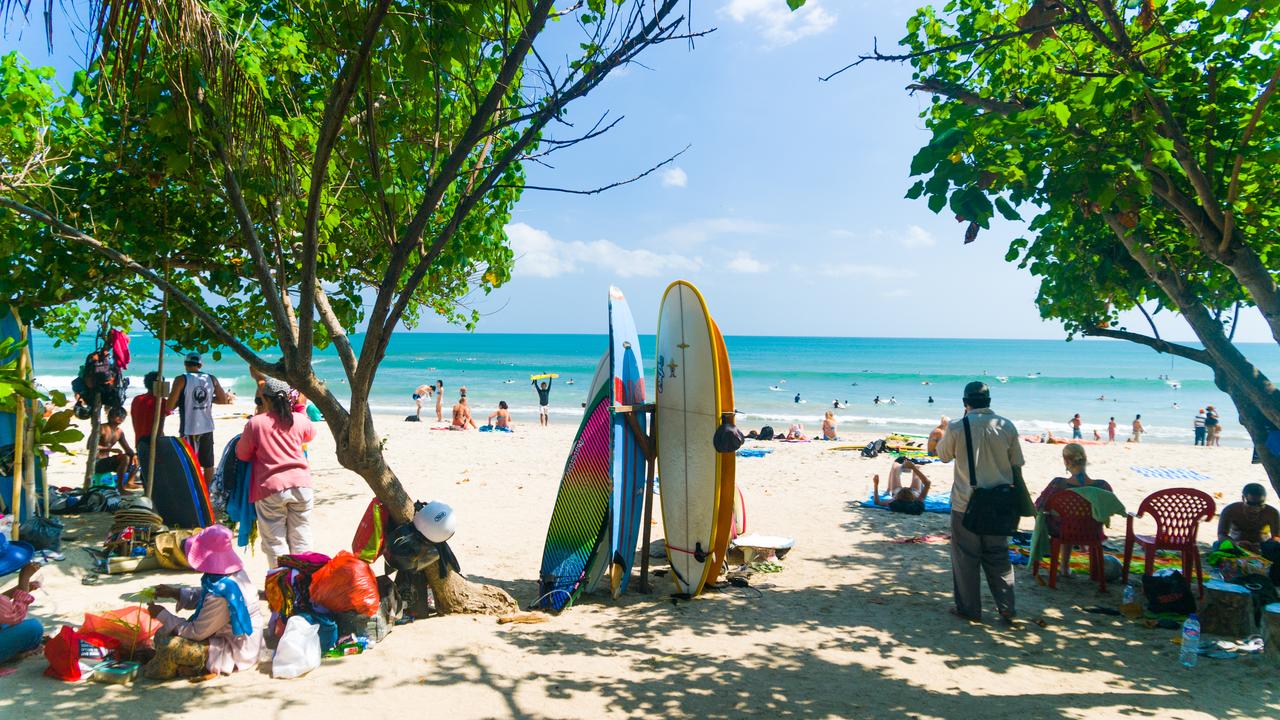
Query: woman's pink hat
[[211, 552]]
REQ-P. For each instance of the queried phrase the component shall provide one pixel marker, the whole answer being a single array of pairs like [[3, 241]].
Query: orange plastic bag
[[346, 584], [132, 626]]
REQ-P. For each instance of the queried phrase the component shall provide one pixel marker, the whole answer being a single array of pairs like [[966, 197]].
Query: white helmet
[[435, 521]]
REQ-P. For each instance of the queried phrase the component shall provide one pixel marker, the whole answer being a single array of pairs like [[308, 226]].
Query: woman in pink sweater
[[281, 489]]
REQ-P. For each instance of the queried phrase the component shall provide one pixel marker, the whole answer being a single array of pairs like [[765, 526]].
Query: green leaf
[[1006, 210]]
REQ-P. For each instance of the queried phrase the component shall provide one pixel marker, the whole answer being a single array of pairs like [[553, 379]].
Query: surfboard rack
[[648, 443]]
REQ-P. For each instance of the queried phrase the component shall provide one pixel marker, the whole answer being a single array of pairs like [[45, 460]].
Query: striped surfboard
[[581, 511]]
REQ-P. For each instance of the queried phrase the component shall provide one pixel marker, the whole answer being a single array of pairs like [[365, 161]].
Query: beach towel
[[932, 503], [493, 428], [1167, 473], [1104, 504], [754, 452]]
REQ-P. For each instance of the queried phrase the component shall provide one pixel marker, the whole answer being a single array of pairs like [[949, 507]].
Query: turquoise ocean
[[1040, 384]]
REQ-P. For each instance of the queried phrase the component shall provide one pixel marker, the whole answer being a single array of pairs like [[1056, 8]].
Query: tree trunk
[[95, 429], [360, 450], [1257, 425]]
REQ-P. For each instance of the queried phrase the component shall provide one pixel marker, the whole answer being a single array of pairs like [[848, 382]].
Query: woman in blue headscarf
[[224, 633]]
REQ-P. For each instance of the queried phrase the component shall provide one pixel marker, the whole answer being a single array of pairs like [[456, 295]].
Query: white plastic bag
[[299, 650]]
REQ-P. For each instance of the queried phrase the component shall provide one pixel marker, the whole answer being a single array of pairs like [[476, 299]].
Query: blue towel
[[493, 428], [754, 452], [238, 478], [932, 503], [1166, 473]]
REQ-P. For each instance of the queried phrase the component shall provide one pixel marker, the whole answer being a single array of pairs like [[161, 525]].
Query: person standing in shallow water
[[1137, 429], [997, 453], [1111, 430]]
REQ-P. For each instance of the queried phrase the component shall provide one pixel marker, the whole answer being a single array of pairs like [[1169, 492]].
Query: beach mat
[[1167, 473], [932, 503], [754, 452]]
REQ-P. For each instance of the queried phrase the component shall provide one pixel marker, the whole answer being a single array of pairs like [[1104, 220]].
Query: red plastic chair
[[1076, 526], [1178, 513]]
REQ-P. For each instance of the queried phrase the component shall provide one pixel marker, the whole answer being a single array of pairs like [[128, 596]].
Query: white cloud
[[700, 231], [917, 237], [540, 255], [675, 177], [778, 24], [743, 262]]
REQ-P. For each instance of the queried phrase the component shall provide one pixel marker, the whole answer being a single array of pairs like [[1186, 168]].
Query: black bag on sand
[[991, 511], [766, 433], [1168, 594], [412, 418], [43, 533]]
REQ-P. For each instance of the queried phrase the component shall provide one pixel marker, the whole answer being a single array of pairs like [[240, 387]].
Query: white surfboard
[[687, 397]]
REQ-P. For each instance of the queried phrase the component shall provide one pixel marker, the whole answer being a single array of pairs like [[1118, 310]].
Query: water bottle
[[1190, 641]]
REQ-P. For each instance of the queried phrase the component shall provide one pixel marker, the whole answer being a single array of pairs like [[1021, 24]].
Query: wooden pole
[[19, 435], [95, 429], [157, 389], [651, 458]]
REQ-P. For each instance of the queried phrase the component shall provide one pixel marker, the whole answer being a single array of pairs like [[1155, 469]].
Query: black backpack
[[766, 432], [1168, 594], [873, 448]]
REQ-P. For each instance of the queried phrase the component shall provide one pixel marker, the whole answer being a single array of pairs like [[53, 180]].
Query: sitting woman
[[19, 634], [829, 426], [905, 499], [224, 634], [501, 418], [1073, 457]]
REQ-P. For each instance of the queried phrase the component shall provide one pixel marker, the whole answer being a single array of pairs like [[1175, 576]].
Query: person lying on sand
[[908, 500], [796, 432], [462, 416]]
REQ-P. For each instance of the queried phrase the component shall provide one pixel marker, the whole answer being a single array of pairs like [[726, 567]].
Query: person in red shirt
[[143, 412], [281, 488]]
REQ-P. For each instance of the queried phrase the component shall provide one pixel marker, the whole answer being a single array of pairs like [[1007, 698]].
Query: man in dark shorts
[[544, 399], [194, 394]]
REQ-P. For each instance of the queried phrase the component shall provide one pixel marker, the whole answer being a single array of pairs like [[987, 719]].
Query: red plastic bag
[[64, 651], [132, 626], [371, 534], [346, 584]]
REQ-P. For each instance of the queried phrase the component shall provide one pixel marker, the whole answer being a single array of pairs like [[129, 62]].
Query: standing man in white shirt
[[194, 394], [997, 457]]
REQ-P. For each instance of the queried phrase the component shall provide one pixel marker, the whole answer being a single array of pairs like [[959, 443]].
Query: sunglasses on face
[[1256, 503]]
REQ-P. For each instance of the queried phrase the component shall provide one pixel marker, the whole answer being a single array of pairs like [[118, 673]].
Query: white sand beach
[[854, 626]]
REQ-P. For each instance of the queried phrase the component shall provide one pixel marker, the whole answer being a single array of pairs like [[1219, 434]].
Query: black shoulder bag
[[991, 511]]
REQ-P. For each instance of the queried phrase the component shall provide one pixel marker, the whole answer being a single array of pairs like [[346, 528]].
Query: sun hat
[[211, 552], [14, 555], [435, 521], [272, 386]]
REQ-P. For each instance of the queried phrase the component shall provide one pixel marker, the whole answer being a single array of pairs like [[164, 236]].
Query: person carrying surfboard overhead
[[194, 394], [544, 399]]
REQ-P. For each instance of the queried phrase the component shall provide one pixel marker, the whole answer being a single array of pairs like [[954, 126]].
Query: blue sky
[[787, 210]]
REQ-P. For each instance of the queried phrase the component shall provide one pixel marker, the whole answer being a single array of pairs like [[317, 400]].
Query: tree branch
[[966, 96], [1150, 322], [1233, 187], [330, 127], [610, 186], [271, 293], [877, 56], [1161, 346], [81, 238], [336, 332]]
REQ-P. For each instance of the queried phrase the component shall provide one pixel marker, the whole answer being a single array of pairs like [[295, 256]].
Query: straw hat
[[14, 555], [211, 552]]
